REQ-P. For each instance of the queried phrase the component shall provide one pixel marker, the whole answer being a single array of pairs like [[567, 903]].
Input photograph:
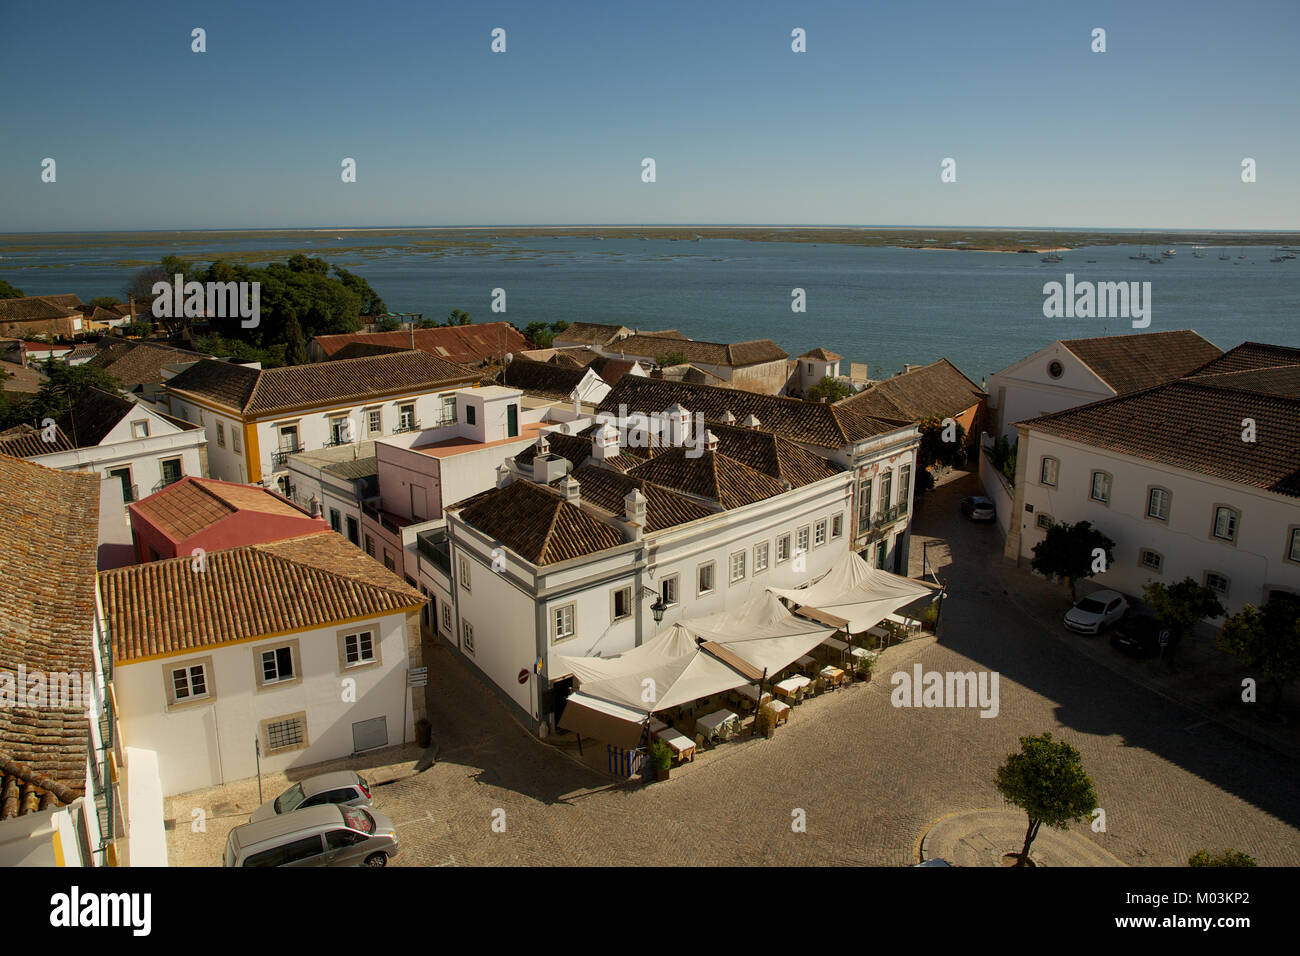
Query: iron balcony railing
[[374, 511], [281, 457], [436, 552], [164, 483], [411, 426]]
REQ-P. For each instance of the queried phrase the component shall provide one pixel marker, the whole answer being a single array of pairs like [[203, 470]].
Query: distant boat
[[1053, 257], [1092, 260], [1225, 257], [1277, 259], [1197, 253], [1169, 253], [1156, 261], [1140, 255]]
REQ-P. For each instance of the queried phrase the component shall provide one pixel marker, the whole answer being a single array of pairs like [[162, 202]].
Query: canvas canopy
[[855, 592], [602, 720], [673, 668]]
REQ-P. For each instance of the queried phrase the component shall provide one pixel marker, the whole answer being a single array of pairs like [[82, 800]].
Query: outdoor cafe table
[[782, 711], [711, 724], [833, 675], [790, 686], [750, 692], [835, 645], [859, 652], [909, 623], [682, 746], [806, 662]]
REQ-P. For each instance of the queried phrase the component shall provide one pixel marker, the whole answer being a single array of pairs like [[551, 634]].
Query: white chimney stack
[[569, 487], [710, 441], [677, 422], [728, 418], [604, 442], [751, 421]]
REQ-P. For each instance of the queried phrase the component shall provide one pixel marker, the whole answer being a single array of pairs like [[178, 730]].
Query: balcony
[[280, 459], [374, 511], [436, 551], [411, 425], [889, 515], [162, 484]]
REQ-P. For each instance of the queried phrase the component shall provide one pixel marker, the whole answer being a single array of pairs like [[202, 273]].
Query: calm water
[[885, 307]]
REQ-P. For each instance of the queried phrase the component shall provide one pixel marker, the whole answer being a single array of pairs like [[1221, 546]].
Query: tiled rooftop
[[186, 507]]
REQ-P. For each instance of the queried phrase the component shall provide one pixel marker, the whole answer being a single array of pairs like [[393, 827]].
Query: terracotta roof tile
[[1135, 361], [542, 378], [189, 506], [538, 524], [936, 389], [709, 475], [735, 355], [141, 363], [462, 344], [606, 490]]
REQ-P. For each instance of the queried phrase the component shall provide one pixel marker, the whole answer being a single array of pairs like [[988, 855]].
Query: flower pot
[[661, 773]]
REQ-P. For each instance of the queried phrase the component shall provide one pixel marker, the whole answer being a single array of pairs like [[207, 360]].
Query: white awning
[[857, 593]]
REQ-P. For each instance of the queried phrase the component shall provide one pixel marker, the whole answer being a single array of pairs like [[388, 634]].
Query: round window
[[1055, 369]]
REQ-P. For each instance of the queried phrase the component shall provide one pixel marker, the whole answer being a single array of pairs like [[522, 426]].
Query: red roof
[[463, 344]]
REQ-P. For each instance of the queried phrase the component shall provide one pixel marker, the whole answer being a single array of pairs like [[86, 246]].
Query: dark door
[[352, 530], [512, 420]]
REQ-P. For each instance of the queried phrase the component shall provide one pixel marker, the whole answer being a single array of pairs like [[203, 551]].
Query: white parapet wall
[[997, 488]]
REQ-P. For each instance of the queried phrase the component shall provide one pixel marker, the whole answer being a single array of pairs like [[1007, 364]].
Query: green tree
[[935, 449], [540, 334], [829, 390], [1069, 553], [1228, 857], [66, 384], [295, 346], [671, 359], [371, 304], [1267, 641], [1183, 605], [105, 301], [1046, 779], [388, 323], [8, 291], [139, 329], [457, 317]]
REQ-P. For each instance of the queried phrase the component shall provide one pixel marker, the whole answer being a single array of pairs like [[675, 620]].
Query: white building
[[256, 419], [214, 682], [337, 480], [1196, 478], [1075, 372]]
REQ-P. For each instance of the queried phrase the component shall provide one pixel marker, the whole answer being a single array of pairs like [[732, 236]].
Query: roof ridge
[[266, 548]]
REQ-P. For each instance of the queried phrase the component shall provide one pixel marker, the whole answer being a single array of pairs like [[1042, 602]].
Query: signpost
[[523, 676]]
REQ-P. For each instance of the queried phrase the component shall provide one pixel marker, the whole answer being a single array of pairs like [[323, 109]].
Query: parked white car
[[1098, 610]]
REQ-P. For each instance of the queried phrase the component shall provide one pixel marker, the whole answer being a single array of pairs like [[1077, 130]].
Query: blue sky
[[251, 134]]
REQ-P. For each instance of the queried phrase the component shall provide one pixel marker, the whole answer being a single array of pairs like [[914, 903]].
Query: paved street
[[869, 777]]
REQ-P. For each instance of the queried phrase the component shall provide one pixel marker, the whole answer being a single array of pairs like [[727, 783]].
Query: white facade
[[1255, 560], [1050, 380], [209, 740]]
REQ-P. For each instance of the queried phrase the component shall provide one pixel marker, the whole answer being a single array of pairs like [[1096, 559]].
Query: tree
[[829, 390], [1267, 641], [389, 323], [1228, 857], [66, 384], [1046, 780], [672, 358], [138, 329], [371, 304], [8, 291], [295, 347], [1003, 455], [1070, 553], [935, 448], [457, 317], [1183, 605], [105, 302]]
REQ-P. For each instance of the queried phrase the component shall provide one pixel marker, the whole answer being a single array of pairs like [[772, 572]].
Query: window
[[704, 578], [1055, 369], [561, 623], [171, 470], [340, 430], [819, 533], [189, 683], [1151, 560], [801, 540], [886, 483], [277, 664], [463, 565], [1158, 503], [405, 417], [446, 617], [1101, 487], [234, 439], [783, 548], [882, 548], [467, 635], [668, 590], [123, 475], [1293, 544], [1225, 523], [1217, 583], [1050, 472], [736, 567], [470, 412], [621, 604], [837, 526], [287, 733], [370, 546], [810, 368], [904, 487], [389, 563], [760, 557], [864, 504], [1044, 520], [336, 520], [221, 435], [139, 429], [448, 409], [375, 421], [289, 439], [358, 648]]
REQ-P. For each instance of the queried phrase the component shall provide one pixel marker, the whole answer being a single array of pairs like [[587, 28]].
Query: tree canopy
[[941, 445], [1068, 553], [66, 384], [1046, 779], [1183, 605], [829, 390], [1266, 640], [8, 291], [1228, 857]]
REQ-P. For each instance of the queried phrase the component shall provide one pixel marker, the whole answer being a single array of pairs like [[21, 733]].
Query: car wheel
[[377, 859]]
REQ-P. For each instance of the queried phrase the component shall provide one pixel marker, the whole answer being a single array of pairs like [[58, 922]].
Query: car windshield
[[1091, 606], [290, 800], [358, 819]]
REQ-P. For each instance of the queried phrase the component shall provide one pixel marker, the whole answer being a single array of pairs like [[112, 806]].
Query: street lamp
[[657, 609]]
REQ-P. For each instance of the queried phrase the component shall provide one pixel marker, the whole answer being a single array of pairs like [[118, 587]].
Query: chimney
[[677, 421], [751, 421], [543, 445], [710, 441], [633, 521], [728, 418], [570, 489], [604, 442], [504, 475], [314, 507]]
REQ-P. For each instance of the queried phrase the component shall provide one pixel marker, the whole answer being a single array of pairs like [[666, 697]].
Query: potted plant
[[661, 757], [767, 720], [865, 665], [930, 616]]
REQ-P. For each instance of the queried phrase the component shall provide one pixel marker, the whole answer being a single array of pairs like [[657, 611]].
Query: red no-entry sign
[[523, 676]]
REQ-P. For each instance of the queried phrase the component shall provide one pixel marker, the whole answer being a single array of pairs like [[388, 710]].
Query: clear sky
[[251, 134]]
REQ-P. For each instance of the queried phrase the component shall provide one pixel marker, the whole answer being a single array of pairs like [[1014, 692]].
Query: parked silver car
[[329, 835], [342, 787], [1097, 611]]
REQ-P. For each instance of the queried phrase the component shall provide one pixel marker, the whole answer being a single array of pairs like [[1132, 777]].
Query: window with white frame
[[704, 575], [374, 421], [886, 486], [864, 504], [1100, 487], [235, 442], [668, 589], [1225, 523], [561, 623], [837, 526], [1151, 560], [277, 664], [760, 557], [1158, 503], [405, 417], [736, 567], [819, 533], [189, 683], [467, 635], [139, 429], [783, 548], [904, 487], [1050, 472], [221, 435], [1216, 582], [462, 563], [620, 603], [446, 617], [801, 539], [358, 648]]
